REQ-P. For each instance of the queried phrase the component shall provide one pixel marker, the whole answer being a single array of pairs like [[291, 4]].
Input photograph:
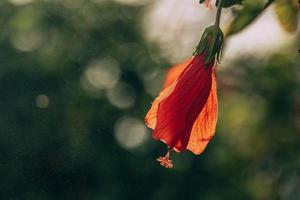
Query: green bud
[[210, 44]]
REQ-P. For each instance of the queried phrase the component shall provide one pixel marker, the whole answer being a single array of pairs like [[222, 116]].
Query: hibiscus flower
[[184, 115]]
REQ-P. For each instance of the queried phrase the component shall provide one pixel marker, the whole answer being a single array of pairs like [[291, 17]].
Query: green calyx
[[210, 44]]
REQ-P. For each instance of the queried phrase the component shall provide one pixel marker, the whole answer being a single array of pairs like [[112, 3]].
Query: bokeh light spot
[[130, 133], [122, 96], [27, 41], [101, 74], [20, 2], [42, 101], [153, 81]]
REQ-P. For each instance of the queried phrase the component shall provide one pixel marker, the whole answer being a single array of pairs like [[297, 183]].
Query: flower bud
[[210, 44]]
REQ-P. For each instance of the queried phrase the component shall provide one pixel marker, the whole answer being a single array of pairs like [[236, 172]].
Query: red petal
[[150, 118], [174, 112], [173, 73], [205, 125]]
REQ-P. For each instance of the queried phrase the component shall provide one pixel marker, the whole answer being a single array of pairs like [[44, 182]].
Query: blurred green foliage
[[57, 138], [287, 12], [249, 10], [245, 15]]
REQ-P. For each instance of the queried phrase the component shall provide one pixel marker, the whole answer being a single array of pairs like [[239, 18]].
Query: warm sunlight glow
[[260, 39], [176, 26]]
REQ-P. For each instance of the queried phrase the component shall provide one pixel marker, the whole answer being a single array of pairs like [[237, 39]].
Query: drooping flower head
[[184, 115]]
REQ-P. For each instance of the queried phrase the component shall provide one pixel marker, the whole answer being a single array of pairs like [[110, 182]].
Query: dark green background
[[68, 150]]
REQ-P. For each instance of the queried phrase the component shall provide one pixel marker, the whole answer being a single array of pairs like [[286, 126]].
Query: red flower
[[184, 115]]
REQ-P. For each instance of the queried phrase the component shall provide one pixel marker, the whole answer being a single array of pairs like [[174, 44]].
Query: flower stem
[[218, 16]]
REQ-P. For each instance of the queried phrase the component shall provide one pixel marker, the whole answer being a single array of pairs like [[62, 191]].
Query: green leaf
[[247, 14], [287, 13]]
